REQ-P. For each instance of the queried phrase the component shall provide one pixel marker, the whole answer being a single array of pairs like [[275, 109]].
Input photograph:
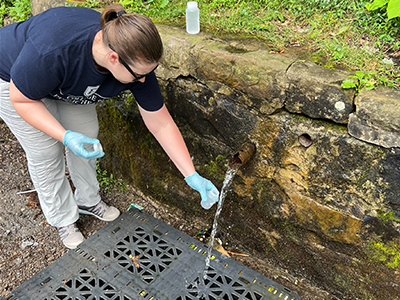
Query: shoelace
[[98, 209], [64, 232]]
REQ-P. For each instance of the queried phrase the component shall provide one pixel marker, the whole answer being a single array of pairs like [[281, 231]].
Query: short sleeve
[[32, 74], [148, 94]]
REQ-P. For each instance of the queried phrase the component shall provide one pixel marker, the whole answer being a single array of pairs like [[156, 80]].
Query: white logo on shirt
[[88, 97], [90, 90]]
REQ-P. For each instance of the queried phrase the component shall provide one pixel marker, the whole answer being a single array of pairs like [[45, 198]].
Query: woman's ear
[[113, 58]]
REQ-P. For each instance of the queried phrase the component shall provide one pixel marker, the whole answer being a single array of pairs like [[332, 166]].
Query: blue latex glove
[[75, 141], [200, 184]]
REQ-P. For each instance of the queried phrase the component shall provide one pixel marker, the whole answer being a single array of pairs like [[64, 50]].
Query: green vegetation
[[392, 7], [389, 253], [87, 3], [3, 12], [215, 169], [108, 183], [15, 9], [360, 35], [344, 32], [368, 81], [363, 81], [387, 216]]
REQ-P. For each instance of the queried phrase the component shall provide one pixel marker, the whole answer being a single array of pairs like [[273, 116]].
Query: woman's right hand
[[35, 113], [75, 141]]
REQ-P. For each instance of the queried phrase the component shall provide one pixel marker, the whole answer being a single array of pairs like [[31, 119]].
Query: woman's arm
[[36, 114], [164, 129]]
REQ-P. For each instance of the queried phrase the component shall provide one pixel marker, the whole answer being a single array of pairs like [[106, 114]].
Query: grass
[[342, 32], [339, 33]]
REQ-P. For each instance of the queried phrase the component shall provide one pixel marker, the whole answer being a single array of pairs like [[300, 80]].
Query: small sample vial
[[212, 197], [192, 18], [98, 147]]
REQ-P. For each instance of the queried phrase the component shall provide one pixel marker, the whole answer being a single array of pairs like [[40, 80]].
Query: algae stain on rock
[[317, 180], [315, 216], [132, 152], [215, 169]]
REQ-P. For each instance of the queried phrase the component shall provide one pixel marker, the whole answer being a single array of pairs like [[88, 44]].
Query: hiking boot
[[101, 211], [70, 236]]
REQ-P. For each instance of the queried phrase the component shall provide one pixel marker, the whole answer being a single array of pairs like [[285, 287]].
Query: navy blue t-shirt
[[50, 55]]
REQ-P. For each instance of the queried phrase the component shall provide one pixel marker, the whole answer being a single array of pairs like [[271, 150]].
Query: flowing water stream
[[227, 182]]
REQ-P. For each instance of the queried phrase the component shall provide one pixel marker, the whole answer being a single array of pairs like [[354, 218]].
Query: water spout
[[242, 156], [237, 160]]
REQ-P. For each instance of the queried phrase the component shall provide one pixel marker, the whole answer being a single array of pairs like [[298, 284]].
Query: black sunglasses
[[137, 77]]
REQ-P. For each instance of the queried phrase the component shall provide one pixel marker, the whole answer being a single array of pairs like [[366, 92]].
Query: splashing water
[[227, 182]]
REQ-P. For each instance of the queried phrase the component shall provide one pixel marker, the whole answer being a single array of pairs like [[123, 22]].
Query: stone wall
[[38, 6], [325, 169]]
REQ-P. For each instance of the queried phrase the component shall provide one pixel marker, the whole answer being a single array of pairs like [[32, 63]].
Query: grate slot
[[116, 230], [47, 280]]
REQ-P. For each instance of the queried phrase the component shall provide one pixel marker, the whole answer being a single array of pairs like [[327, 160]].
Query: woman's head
[[134, 37]]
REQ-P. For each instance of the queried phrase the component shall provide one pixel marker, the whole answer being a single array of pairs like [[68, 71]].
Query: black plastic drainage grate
[[140, 257]]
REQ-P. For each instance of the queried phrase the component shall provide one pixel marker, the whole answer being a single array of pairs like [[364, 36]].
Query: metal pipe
[[242, 156]]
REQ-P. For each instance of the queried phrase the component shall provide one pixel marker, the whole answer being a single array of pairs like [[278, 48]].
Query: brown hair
[[134, 37]]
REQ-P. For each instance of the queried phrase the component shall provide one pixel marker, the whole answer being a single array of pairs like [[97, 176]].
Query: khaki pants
[[46, 158]]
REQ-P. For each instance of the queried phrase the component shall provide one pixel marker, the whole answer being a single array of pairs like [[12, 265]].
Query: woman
[[54, 67]]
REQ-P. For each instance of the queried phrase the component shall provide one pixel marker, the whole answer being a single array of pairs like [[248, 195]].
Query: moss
[[134, 155], [290, 231], [330, 65], [388, 253], [321, 60], [330, 126], [343, 280], [145, 143], [380, 151], [129, 99], [361, 180], [299, 118], [215, 169], [387, 216], [265, 196], [235, 50]]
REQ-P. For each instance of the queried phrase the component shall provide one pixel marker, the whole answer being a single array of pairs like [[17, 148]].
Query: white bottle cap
[[98, 147], [192, 4]]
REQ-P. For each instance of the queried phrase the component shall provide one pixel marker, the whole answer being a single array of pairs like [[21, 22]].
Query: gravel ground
[[28, 244]]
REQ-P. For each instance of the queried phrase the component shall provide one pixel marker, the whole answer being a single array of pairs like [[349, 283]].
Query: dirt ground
[[28, 244]]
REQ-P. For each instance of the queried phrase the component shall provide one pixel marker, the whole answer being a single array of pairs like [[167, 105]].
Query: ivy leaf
[[369, 86], [164, 3], [393, 9], [348, 84], [360, 75], [376, 4]]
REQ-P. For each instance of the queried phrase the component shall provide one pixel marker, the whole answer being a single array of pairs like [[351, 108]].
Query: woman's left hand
[[200, 184]]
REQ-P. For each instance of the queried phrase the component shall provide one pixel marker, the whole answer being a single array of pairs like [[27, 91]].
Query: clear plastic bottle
[[98, 147], [192, 18], [212, 197]]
